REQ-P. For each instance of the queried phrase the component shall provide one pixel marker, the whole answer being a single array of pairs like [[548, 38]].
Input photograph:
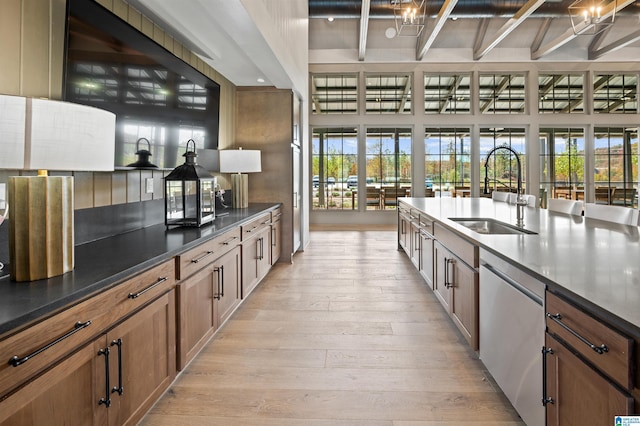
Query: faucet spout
[[519, 199]]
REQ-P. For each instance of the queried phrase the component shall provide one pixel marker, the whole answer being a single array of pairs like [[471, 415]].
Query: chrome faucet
[[520, 201]]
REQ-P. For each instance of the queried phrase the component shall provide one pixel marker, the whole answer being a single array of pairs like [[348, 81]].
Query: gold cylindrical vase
[[41, 243]]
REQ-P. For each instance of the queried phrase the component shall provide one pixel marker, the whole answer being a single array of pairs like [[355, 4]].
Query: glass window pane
[[562, 153], [388, 94], [334, 162], [616, 166], [447, 93], [447, 161], [334, 94], [615, 93], [560, 93], [502, 93], [388, 153], [502, 168]]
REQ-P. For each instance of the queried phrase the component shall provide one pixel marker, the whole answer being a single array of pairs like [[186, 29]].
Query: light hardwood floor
[[347, 335]]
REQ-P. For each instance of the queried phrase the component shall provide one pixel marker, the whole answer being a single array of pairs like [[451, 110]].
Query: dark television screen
[[154, 94]]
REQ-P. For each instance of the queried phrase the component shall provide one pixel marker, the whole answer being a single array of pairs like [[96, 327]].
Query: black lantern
[[143, 156], [189, 193]]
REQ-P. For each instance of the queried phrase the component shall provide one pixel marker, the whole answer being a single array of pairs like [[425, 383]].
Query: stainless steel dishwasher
[[512, 334]]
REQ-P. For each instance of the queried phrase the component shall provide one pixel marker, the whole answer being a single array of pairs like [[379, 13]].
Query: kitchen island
[[583, 307]]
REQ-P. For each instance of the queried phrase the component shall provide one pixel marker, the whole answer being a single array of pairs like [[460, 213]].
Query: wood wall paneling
[[102, 189], [83, 190], [119, 188], [133, 186]]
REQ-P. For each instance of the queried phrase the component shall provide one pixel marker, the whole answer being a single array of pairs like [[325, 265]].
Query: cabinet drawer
[[251, 228], [426, 223], [194, 259], [462, 248], [37, 347], [579, 330]]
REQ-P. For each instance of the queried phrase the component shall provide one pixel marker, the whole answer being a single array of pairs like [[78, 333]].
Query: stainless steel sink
[[489, 226]]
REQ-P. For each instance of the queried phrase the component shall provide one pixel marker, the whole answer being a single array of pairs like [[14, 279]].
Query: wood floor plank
[[347, 335]]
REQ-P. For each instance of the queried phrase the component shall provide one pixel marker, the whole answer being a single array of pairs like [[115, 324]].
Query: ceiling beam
[[569, 34], [425, 44], [513, 23], [611, 47], [364, 29], [405, 95], [452, 89]]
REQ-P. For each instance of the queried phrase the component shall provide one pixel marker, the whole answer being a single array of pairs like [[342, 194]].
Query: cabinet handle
[[219, 270], [274, 243], [557, 318], [426, 235], [252, 229], [140, 293], [106, 400], [416, 241], [198, 259], [447, 279], [267, 222], [295, 200], [545, 399], [278, 215], [118, 388], [16, 361], [260, 247], [226, 243]]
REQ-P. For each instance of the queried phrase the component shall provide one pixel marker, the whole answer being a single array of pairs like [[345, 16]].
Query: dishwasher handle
[[516, 285]]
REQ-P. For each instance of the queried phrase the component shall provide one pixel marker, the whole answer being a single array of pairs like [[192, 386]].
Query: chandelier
[[409, 16], [592, 16]]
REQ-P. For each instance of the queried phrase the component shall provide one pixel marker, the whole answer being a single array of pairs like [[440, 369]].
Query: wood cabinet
[[276, 238], [456, 283], [111, 380], [589, 367], [269, 119], [576, 394], [404, 229], [209, 291], [426, 251], [255, 259]]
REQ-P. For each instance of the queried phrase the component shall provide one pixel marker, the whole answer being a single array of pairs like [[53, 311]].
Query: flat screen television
[[154, 94]]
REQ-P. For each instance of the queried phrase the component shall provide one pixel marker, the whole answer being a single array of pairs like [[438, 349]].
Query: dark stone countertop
[[593, 262], [105, 263]]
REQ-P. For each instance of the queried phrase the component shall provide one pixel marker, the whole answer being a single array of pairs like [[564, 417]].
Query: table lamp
[[239, 162], [39, 134]]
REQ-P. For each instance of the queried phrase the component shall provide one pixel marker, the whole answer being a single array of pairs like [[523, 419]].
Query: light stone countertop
[[596, 263]]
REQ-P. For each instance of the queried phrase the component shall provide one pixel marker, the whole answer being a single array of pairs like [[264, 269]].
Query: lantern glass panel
[[174, 200], [191, 199], [207, 192]]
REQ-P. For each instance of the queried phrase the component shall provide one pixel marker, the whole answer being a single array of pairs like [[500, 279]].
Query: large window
[[335, 160], [616, 166], [447, 161], [388, 94], [334, 93], [502, 93], [562, 162], [615, 93], [560, 93], [502, 168], [447, 93], [388, 154]]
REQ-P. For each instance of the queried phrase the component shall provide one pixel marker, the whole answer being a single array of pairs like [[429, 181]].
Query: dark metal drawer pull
[[140, 293], [557, 318], [16, 361], [118, 388], [106, 400], [226, 243], [220, 273], [252, 229], [198, 259]]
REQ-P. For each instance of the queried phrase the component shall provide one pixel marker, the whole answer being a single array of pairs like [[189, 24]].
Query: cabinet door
[[255, 260], [198, 319], [66, 394], [415, 245], [464, 306], [441, 283], [227, 285], [579, 395], [142, 360], [276, 243], [426, 258], [404, 229]]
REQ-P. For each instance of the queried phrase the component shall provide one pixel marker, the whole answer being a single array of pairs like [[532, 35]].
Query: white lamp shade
[[240, 161], [40, 134], [13, 112], [68, 136]]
